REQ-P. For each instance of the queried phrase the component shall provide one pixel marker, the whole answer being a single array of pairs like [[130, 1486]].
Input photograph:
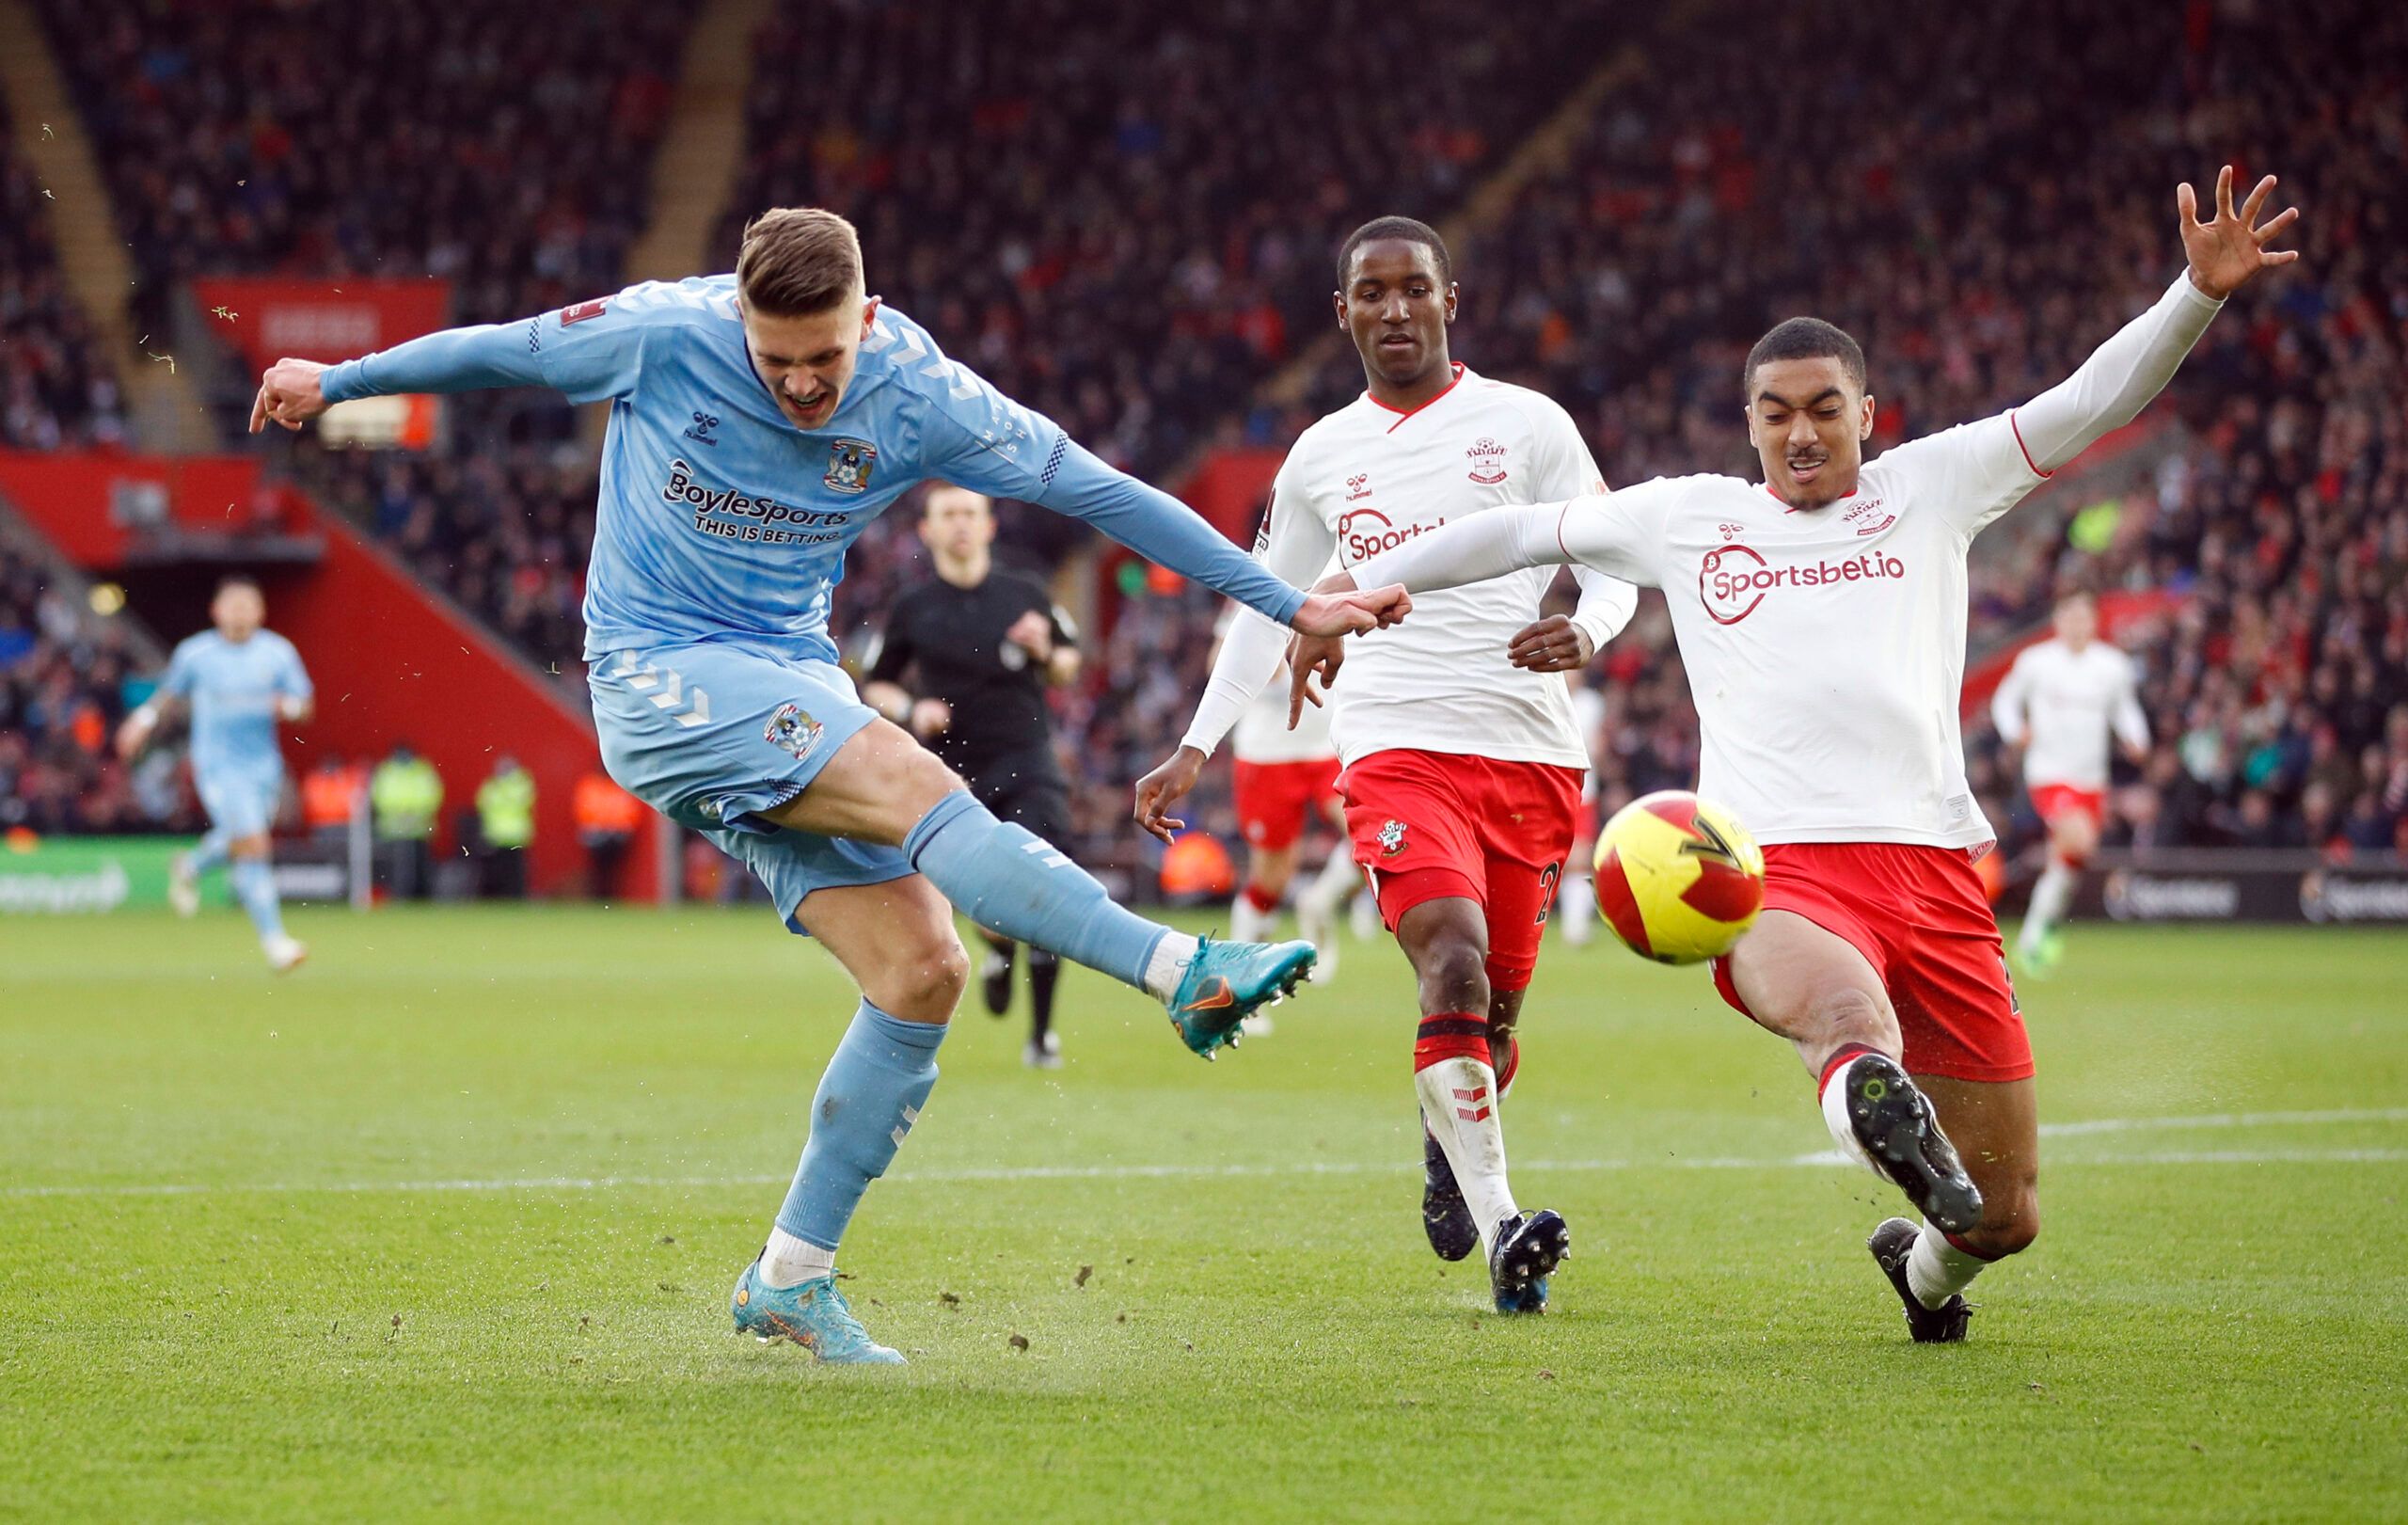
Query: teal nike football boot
[[1225, 982], [812, 1314]]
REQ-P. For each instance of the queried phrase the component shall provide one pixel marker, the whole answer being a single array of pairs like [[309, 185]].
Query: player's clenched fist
[[289, 395]]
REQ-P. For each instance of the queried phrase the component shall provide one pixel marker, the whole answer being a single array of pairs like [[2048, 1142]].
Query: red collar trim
[[1404, 413]]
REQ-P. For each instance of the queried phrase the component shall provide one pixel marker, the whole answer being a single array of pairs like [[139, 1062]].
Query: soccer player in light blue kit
[[241, 680], [758, 422]]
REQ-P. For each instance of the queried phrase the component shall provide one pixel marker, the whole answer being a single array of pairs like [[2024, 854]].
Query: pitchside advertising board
[[2245, 886], [85, 876]]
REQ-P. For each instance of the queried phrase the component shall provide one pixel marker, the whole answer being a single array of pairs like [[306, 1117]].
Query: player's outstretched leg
[[883, 787], [1817, 989]]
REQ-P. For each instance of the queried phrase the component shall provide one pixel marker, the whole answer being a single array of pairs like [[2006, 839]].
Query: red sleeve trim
[[2026, 450]]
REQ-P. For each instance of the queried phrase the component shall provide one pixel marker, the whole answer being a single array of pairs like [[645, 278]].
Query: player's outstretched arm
[[293, 391], [1164, 531], [2225, 253]]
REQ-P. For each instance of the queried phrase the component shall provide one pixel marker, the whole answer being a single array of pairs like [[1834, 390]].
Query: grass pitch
[[444, 1226]]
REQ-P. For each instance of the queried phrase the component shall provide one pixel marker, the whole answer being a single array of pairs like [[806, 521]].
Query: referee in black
[[980, 647]]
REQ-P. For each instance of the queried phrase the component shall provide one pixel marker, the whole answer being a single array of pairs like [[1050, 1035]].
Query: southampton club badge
[[792, 729], [1391, 839], [849, 462]]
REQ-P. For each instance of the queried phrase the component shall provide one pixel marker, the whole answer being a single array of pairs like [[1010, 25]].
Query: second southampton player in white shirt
[[1821, 617], [1463, 770], [2059, 703]]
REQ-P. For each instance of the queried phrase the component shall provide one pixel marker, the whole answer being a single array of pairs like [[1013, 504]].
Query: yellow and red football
[[1678, 878]]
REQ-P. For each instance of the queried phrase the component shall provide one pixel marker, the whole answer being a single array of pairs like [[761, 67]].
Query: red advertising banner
[[269, 317]]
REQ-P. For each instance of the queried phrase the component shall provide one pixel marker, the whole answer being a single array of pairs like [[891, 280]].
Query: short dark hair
[[1805, 339], [1406, 229], [237, 579], [797, 262]]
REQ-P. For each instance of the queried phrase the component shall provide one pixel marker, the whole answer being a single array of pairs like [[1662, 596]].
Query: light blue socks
[[1010, 881], [872, 1093], [208, 853], [254, 881]]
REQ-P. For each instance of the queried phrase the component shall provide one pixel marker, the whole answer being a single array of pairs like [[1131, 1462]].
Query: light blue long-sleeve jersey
[[720, 520], [233, 686]]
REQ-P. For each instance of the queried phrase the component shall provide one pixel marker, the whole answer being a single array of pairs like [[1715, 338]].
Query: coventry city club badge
[[792, 729], [848, 465]]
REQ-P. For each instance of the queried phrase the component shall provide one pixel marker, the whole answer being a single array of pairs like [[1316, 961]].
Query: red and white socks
[[1252, 913], [1835, 1094], [1940, 1267], [1460, 1096]]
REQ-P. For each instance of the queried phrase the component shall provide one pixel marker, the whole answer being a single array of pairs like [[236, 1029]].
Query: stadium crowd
[[62, 692], [1070, 210], [55, 390], [507, 148]]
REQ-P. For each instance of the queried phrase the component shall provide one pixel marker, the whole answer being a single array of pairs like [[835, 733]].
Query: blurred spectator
[[405, 795], [330, 791], [505, 829], [606, 818]]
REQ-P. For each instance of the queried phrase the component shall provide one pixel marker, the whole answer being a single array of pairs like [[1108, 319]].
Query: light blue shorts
[[708, 734], [241, 802]]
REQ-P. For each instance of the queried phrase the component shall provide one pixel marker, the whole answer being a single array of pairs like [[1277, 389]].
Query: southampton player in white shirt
[[1821, 617], [759, 421], [2058, 703], [1463, 770]]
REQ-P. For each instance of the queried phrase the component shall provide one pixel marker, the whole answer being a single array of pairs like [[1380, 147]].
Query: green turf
[[260, 1255]]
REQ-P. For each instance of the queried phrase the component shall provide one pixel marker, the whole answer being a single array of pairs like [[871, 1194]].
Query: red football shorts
[[1273, 798], [1427, 825], [1920, 918], [2054, 800]]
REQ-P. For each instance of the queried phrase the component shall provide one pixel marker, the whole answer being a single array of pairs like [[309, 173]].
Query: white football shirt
[[1367, 478], [2061, 703]]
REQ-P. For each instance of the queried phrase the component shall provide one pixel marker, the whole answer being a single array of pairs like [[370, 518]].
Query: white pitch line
[[1817, 1160]]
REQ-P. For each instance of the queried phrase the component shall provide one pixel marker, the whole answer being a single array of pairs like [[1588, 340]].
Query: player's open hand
[[289, 394], [1311, 656], [1554, 645], [1164, 788], [2228, 250], [1353, 611]]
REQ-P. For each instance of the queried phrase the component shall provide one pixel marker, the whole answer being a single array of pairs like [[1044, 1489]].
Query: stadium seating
[[54, 391], [1075, 217]]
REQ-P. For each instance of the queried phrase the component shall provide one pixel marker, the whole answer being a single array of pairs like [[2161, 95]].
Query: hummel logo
[[701, 432]]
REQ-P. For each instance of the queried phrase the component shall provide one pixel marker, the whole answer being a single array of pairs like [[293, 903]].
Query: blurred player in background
[[979, 648], [2058, 703], [1821, 617], [241, 680], [758, 422], [1463, 770], [1280, 781]]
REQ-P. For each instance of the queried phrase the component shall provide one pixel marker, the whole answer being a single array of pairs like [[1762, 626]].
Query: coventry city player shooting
[[758, 422]]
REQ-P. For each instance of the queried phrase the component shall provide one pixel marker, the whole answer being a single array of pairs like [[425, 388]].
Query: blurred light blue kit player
[[241, 681], [758, 422]]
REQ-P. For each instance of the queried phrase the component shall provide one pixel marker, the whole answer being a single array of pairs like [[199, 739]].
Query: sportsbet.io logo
[[1732, 580], [1365, 532]]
